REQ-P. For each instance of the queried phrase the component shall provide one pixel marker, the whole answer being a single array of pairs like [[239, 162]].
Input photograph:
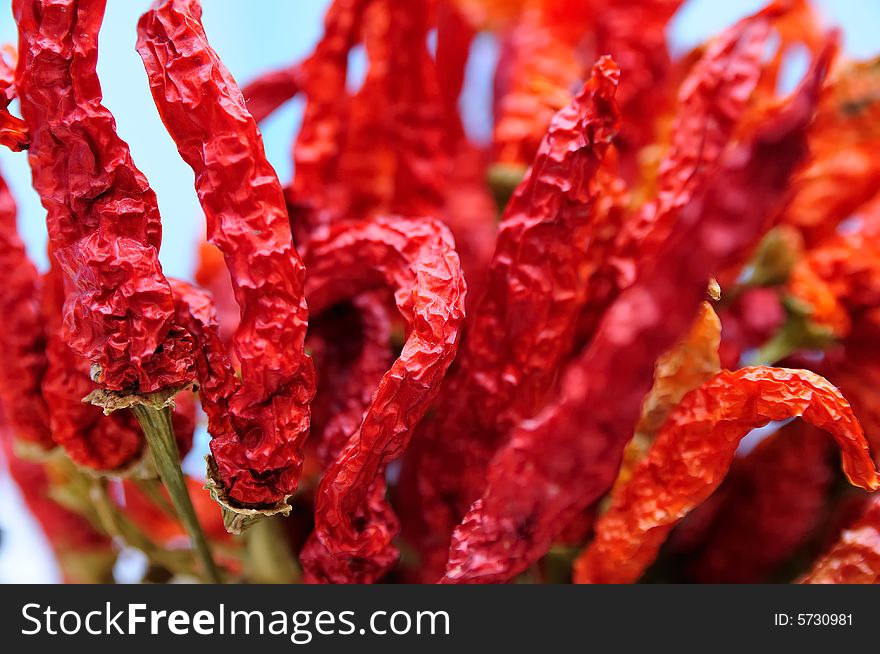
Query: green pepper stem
[[269, 559], [159, 433]]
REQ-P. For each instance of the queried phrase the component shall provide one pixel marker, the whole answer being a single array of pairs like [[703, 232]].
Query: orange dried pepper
[[694, 451]]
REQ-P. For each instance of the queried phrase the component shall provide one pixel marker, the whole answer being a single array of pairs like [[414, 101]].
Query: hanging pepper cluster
[[572, 352]]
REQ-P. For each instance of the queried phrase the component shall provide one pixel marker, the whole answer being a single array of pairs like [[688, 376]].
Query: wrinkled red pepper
[[634, 33], [259, 459], [523, 323], [354, 526], [321, 135], [103, 219], [694, 451], [712, 101]]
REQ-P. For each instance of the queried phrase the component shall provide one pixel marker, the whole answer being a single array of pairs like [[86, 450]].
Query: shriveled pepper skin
[[354, 526], [321, 136], [712, 101], [538, 68], [557, 464], [523, 324], [844, 141], [694, 451], [205, 113], [103, 218], [22, 335], [855, 558], [91, 439]]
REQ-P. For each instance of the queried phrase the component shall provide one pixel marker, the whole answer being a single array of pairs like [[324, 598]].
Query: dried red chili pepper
[[395, 157], [324, 124], [258, 463], [523, 323], [634, 33], [354, 526], [22, 335], [557, 464], [694, 451], [103, 218], [773, 502], [855, 558], [454, 37], [844, 140], [271, 90], [13, 130], [534, 80], [90, 439], [712, 100]]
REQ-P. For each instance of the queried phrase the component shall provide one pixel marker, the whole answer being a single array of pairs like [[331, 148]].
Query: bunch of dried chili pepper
[[685, 260]]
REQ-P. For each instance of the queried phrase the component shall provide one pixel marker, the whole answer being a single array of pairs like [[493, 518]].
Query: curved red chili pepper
[[565, 458], [103, 218], [694, 451], [712, 101], [354, 526], [202, 108], [522, 325]]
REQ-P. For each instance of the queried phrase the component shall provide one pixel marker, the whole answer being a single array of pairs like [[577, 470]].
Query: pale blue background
[[253, 36]]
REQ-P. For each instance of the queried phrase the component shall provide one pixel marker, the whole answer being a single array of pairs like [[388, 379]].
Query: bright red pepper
[[103, 219], [354, 526], [523, 323], [259, 461]]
